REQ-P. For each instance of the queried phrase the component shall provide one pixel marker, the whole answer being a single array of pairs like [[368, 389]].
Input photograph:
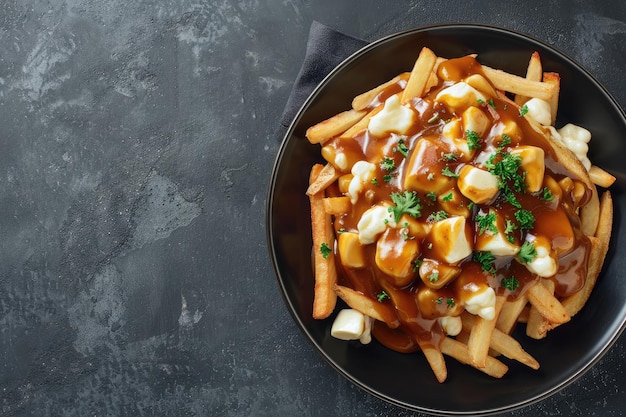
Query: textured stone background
[[137, 139]]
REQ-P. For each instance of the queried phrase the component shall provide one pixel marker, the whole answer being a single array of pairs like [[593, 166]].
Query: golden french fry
[[509, 314], [480, 336], [327, 176], [325, 298], [554, 79], [364, 100], [435, 360], [361, 124], [601, 177], [337, 205], [333, 126], [589, 214], [420, 75], [367, 306], [537, 326], [547, 304], [460, 352], [518, 85], [533, 73], [599, 249], [503, 343]]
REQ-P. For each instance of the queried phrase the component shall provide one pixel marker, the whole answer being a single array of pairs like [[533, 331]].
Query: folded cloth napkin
[[325, 49]]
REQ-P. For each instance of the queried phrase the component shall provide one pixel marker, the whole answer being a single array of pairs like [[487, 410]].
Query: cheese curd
[[394, 117], [539, 110], [352, 325], [544, 264], [373, 223], [451, 325], [460, 95], [576, 139], [362, 172], [482, 303]]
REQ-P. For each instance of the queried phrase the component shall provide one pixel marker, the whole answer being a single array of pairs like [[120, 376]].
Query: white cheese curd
[[362, 172], [540, 111], [451, 240], [543, 264], [341, 161], [374, 222], [482, 304], [451, 325], [394, 117], [576, 139], [478, 185], [352, 325], [460, 95], [533, 164]]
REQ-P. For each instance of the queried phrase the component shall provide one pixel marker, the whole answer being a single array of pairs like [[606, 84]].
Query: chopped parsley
[[449, 157], [447, 197], [387, 177], [446, 171], [450, 302], [430, 177], [546, 194], [402, 148], [387, 164], [523, 110], [434, 118], [527, 252], [492, 103], [375, 181], [431, 195], [439, 300], [486, 222], [382, 297], [510, 284], [485, 259], [506, 140], [481, 101], [473, 140], [407, 202], [416, 264], [525, 218], [342, 230], [325, 250], [434, 276], [437, 216]]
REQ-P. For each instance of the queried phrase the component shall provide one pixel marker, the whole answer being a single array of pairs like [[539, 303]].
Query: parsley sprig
[[407, 202]]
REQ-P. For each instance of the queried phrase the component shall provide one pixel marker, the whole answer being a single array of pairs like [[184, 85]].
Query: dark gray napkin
[[325, 49]]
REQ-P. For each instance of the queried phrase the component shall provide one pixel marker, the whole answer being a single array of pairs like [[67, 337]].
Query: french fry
[[600, 177], [337, 205], [554, 79], [435, 360], [334, 125], [533, 73], [509, 314], [547, 304], [460, 352], [420, 75], [518, 85], [327, 176], [325, 298], [599, 248], [363, 100], [590, 214], [361, 124], [368, 306], [503, 343], [537, 326], [480, 336]]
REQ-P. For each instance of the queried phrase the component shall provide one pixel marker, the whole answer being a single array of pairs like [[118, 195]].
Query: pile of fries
[[392, 294]]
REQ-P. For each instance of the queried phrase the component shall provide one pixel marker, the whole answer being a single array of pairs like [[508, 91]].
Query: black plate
[[406, 379]]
